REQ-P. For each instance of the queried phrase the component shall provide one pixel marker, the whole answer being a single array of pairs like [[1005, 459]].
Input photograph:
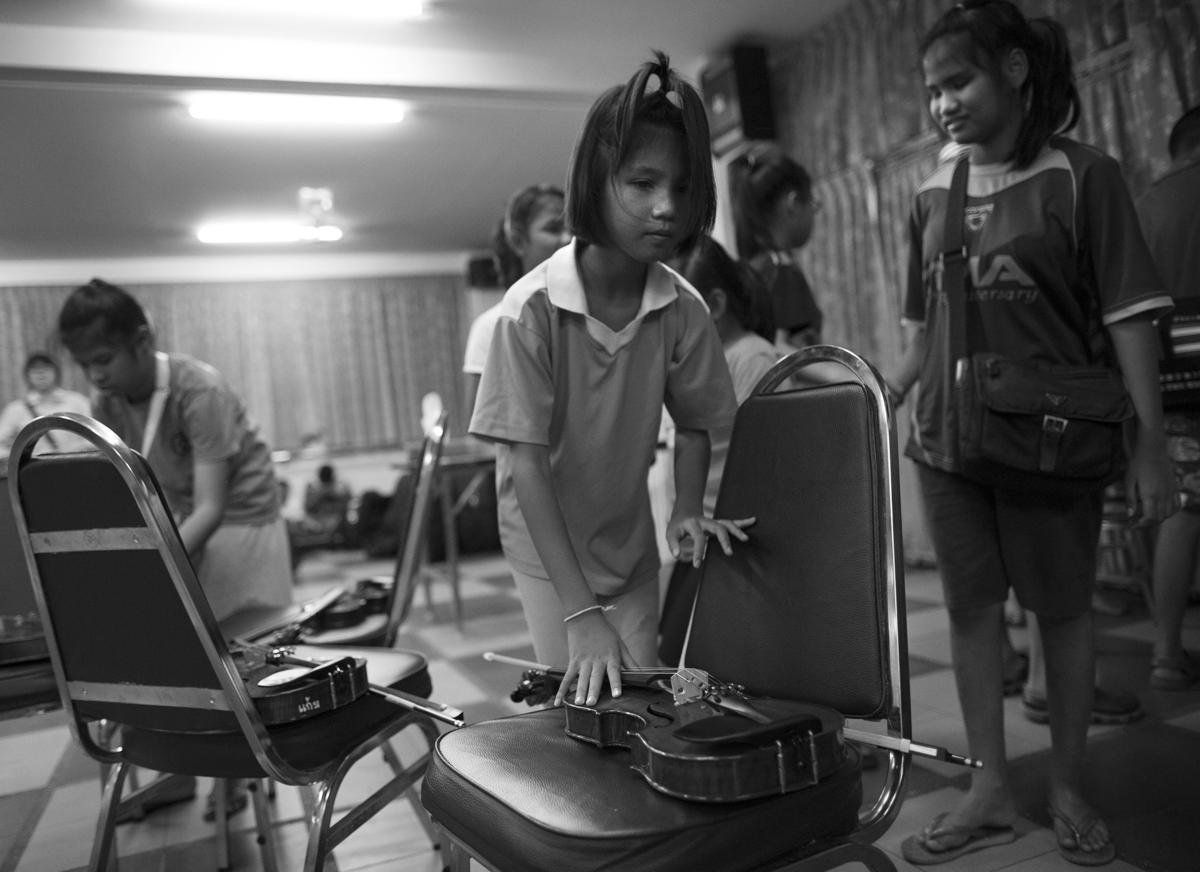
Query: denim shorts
[[988, 540]]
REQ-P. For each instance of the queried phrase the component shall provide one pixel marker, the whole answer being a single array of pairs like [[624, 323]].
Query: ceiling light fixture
[[346, 10], [294, 109], [315, 204], [266, 233]]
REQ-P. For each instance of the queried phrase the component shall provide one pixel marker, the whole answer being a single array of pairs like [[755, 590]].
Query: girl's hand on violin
[[594, 653], [688, 537]]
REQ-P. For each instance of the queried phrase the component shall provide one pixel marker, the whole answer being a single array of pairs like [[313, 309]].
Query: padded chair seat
[[27, 687], [226, 755], [507, 790]]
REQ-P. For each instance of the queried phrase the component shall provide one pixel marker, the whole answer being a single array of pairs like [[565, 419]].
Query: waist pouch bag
[[1055, 430]]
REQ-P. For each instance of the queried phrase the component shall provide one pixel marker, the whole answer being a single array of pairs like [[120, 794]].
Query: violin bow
[[718, 694]]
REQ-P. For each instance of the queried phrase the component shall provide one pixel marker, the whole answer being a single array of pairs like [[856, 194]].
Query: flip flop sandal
[[233, 804], [1101, 856], [1108, 708], [966, 840], [1174, 673], [1016, 673]]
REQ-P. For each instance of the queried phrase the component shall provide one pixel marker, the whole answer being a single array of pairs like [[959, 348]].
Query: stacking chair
[[378, 629], [26, 679], [811, 608], [135, 646]]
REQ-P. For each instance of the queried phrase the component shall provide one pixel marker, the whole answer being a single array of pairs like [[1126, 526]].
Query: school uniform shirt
[[20, 412], [557, 377], [203, 419], [1055, 255]]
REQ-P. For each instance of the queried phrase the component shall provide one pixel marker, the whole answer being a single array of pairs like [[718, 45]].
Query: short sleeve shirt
[[558, 377], [479, 339], [1055, 254], [203, 420]]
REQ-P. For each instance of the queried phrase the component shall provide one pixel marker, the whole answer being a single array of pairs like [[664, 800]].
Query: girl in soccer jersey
[[1059, 274]]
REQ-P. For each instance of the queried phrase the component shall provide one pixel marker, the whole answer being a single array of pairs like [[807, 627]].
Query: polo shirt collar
[[564, 287]]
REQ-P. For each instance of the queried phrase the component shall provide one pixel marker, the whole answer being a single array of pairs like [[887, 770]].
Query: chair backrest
[[415, 522], [812, 606], [130, 631]]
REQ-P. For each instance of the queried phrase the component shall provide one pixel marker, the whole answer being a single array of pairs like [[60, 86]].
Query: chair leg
[[454, 856], [103, 845], [221, 821], [262, 825], [414, 798]]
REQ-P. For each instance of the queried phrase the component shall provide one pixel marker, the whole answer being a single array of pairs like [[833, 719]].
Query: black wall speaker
[[737, 95], [481, 272]]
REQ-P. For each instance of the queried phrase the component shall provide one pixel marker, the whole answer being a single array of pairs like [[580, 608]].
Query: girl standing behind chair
[[206, 452], [531, 230], [1059, 275], [773, 213], [588, 348]]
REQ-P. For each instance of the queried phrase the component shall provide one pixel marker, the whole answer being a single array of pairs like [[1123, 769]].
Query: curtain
[[851, 108], [346, 359]]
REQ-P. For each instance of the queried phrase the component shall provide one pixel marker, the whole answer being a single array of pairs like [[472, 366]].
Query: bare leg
[[1175, 555], [1069, 657], [976, 641]]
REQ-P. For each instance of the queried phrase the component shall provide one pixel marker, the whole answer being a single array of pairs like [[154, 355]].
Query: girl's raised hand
[[594, 651], [688, 537]]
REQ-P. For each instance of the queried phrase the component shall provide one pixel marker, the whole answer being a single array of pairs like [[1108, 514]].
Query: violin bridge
[[690, 685]]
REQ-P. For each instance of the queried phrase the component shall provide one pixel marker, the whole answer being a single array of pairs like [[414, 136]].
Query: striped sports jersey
[[1054, 252]]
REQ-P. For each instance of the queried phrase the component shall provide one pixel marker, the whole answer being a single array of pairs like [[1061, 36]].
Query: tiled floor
[[1145, 776]]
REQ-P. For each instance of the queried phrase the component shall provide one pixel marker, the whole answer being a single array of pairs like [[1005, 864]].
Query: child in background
[[773, 212], [1060, 275], [588, 348], [213, 466], [531, 230], [45, 396], [206, 452], [734, 296]]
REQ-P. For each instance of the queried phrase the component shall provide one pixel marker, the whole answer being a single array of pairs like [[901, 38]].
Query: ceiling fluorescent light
[[263, 233], [295, 109], [346, 10]]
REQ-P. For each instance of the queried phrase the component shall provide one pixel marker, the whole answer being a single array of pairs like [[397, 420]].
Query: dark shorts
[[987, 541], [1183, 447]]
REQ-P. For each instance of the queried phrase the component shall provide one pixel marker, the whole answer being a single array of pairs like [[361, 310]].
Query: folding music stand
[[811, 608], [134, 644]]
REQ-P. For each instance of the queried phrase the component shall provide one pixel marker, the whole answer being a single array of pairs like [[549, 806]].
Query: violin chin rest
[[727, 728]]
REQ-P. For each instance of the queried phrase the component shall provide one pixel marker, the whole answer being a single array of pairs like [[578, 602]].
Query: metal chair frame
[[229, 693]]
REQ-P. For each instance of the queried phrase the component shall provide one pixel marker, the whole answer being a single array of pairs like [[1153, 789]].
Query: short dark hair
[[523, 206], [1185, 135], [101, 306], [609, 133], [707, 266], [41, 358]]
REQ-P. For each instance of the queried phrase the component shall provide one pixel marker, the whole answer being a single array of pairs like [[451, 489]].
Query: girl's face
[[975, 106], [116, 368], [546, 233], [646, 204], [41, 377]]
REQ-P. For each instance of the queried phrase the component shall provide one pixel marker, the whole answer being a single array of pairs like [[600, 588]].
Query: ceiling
[[99, 159]]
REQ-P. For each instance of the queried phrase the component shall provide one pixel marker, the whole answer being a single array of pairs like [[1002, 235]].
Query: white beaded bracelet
[[584, 611]]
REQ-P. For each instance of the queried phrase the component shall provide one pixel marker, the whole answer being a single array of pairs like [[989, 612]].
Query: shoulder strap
[[49, 436], [954, 269]]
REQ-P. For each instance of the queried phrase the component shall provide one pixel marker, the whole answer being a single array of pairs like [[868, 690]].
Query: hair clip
[[654, 84]]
